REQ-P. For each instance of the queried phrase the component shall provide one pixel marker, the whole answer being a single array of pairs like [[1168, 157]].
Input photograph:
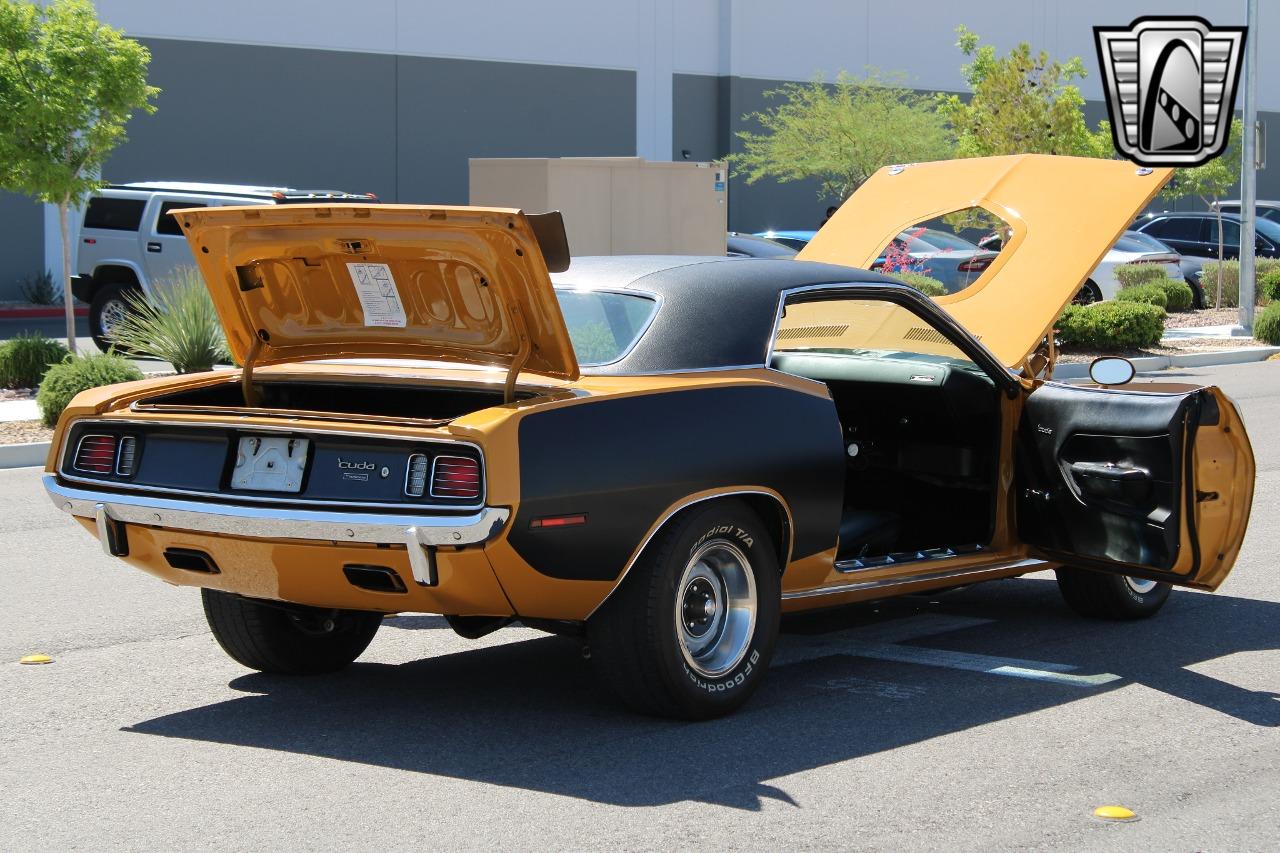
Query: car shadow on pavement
[[528, 715]]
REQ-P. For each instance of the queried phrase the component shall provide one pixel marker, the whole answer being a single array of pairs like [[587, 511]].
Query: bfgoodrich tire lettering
[[1106, 596], [692, 629]]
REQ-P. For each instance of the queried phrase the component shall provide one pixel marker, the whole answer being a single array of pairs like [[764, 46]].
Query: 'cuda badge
[[344, 465]]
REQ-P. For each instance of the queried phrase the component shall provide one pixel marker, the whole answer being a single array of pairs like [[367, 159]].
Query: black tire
[[1088, 294], [1197, 293], [293, 641], [1105, 596], [635, 642], [108, 298]]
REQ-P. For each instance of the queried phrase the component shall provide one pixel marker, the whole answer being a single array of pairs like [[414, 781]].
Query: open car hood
[[1065, 213], [455, 284]]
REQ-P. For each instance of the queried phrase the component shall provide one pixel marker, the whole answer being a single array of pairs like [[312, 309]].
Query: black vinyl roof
[[715, 312]]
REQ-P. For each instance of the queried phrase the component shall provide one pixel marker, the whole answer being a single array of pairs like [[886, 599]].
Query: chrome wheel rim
[[1140, 586], [113, 313], [715, 608]]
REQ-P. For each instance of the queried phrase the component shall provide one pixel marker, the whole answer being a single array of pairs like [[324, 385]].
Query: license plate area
[[270, 463]]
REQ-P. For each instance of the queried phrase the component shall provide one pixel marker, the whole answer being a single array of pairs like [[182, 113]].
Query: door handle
[[153, 247], [1109, 471]]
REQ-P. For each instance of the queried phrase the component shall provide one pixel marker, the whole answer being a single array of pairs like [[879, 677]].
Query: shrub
[[1266, 327], [1132, 275], [1150, 293], [179, 325], [1179, 293], [927, 285], [1231, 280], [1269, 285], [39, 289], [1111, 325], [24, 360], [80, 373]]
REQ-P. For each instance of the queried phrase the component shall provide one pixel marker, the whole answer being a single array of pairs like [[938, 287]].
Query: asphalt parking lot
[[987, 718]]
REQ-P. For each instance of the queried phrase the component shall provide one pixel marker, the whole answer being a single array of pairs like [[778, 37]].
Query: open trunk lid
[[453, 284], [1065, 213]]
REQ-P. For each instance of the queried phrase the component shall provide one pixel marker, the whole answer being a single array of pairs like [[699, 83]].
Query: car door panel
[[1141, 483]]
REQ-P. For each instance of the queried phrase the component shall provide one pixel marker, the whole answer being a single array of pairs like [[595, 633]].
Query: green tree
[[1209, 183], [841, 133], [1021, 103], [68, 86]]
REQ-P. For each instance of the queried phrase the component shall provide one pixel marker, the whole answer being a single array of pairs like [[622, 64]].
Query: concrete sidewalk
[[19, 410], [1201, 332]]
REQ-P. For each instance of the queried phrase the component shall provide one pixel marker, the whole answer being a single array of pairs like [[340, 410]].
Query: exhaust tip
[[374, 578], [191, 560]]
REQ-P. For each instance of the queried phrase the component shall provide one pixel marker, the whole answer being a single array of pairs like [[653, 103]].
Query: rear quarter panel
[[628, 459]]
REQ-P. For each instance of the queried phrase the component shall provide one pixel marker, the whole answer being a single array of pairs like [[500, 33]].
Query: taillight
[[455, 477], [415, 481], [975, 264], [126, 455], [96, 454]]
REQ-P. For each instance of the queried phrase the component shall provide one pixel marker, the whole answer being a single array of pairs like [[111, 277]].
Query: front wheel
[[690, 632], [287, 639], [1106, 596]]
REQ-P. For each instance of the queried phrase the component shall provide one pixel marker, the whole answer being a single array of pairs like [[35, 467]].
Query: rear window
[[114, 214], [604, 326], [167, 224]]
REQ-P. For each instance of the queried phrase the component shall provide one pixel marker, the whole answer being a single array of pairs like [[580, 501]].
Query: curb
[[1150, 364], [38, 313], [23, 455]]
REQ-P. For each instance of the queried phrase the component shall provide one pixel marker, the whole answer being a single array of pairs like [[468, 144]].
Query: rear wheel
[[1106, 596], [288, 640], [690, 632], [106, 311], [1088, 294]]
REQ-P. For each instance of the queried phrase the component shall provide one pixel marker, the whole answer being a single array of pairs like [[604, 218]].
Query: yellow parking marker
[[35, 659], [1114, 813]]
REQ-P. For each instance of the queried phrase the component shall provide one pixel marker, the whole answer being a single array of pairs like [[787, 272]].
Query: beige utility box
[[615, 205]]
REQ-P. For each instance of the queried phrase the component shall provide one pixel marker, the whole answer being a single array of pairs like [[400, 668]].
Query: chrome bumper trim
[[262, 522], [899, 580]]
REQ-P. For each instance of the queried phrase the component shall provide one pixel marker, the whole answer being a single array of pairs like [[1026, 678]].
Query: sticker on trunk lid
[[378, 295]]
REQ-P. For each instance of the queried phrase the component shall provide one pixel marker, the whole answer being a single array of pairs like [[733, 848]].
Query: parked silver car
[[130, 243]]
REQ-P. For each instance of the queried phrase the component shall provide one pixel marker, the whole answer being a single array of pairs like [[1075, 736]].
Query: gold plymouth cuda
[[439, 413]]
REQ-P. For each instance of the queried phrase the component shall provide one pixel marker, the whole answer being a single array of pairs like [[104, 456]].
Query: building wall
[[393, 96]]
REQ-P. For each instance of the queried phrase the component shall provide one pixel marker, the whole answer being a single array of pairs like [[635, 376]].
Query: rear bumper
[[421, 535], [82, 288]]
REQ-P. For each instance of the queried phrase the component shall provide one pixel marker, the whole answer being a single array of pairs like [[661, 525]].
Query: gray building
[[393, 96]]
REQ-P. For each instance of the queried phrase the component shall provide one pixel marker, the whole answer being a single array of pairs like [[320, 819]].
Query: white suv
[[129, 242]]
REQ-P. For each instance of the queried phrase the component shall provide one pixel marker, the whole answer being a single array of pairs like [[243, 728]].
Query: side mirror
[[1112, 370]]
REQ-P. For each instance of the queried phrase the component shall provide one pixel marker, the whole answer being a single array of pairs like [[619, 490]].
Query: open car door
[[1152, 485]]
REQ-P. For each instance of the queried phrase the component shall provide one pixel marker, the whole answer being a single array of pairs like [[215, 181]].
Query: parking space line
[[883, 641]]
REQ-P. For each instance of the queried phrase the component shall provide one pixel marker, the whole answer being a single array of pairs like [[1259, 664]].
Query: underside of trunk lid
[[452, 284]]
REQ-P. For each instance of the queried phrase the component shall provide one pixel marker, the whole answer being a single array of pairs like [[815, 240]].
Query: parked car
[[950, 259], [1188, 267], [129, 241], [792, 239], [1103, 283], [1262, 209], [1196, 234], [658, 454], [751, 246], [953, 261]]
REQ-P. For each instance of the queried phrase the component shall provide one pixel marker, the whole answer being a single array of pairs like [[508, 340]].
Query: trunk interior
[[356, 400]]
